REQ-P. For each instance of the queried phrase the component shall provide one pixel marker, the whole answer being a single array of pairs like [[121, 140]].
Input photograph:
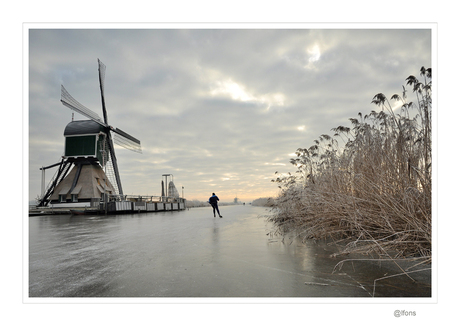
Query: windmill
[[89, 147]]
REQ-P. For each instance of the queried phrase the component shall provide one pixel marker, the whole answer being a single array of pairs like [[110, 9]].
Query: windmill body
[[88, 170]]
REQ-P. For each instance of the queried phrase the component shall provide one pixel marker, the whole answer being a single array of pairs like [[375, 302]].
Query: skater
[[213, 201]]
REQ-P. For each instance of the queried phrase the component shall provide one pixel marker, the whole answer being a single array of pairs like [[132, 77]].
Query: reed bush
[[369, 185]]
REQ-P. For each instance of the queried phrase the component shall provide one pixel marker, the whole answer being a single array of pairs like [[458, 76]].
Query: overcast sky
[[220, 109]]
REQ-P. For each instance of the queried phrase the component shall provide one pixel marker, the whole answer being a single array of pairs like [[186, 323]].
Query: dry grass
[[374, 192]]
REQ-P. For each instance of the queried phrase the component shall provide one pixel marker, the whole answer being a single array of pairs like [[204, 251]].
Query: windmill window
[[63, 194], [74, 194]]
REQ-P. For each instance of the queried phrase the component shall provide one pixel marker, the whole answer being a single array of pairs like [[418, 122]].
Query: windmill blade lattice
[[127, 141], [73, 104], [110, 173], [101, 85]]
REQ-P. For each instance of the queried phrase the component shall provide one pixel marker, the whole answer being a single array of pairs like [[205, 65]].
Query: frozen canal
[[191, 254]]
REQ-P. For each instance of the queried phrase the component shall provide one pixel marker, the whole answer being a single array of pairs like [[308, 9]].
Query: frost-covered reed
[[374, 191]]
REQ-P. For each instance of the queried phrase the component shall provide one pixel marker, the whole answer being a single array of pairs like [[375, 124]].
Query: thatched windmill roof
[[92, 182]]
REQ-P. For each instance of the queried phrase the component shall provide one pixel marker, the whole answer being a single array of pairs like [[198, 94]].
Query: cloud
[[239, 93], [220, 109]]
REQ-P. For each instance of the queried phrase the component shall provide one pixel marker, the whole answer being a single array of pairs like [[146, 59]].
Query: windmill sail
[[73, 104], [101, 85], [127, 141], [110, 172], [113, 166]]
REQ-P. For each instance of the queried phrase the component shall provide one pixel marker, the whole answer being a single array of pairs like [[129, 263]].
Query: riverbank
[[369, 184]]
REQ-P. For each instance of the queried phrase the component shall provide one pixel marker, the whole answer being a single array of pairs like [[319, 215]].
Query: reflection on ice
[[189, 254]]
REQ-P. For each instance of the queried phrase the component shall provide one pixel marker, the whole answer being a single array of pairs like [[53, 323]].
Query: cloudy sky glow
[[220, 109]]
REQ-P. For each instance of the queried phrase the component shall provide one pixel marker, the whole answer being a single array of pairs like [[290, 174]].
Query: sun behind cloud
[[238, 92]]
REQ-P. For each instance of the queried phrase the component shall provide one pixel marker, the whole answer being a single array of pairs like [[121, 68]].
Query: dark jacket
[[213, 200]]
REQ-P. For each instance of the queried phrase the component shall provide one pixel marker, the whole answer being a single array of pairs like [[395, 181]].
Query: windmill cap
[[81, 127]]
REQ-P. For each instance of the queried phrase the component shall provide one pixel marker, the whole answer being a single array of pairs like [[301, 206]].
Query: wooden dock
[[113, 207]]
